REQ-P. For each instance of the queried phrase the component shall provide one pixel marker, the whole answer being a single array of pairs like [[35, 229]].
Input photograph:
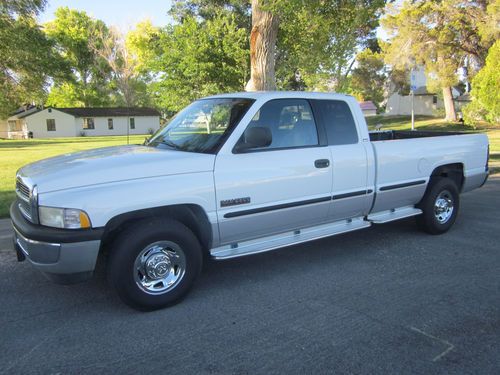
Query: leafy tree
[[195, 59], [73, 32], [127, 87], [210, 9], [27, 59], [143, 43], [368, 79], [485, 90], [440, 35], [309, 43], [488, 25], [320, 39]]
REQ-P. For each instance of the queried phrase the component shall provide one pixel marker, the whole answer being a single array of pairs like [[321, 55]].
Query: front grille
[[23, 192]]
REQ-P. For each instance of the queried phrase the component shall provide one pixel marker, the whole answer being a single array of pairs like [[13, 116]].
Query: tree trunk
[[449, 104], [262, 49]]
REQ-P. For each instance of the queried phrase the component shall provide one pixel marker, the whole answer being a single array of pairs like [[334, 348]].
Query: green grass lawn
[[16, 153]]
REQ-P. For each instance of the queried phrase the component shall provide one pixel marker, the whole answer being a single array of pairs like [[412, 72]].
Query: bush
[[474, 113], [485, 93]]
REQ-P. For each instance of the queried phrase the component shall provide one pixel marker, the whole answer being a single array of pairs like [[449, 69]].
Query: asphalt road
[[388, 299]]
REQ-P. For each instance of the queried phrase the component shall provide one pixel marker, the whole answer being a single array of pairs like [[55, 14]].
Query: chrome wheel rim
[[159, 267], [443, 207]]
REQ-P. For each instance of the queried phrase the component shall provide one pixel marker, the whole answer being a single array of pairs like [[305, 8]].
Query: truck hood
[[111, 164]]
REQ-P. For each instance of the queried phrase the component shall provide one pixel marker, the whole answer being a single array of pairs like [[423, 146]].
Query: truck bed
[[408, 158]]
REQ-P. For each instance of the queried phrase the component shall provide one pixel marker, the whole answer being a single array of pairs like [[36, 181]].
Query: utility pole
[[412, 110], [128, 123], [413, 87]]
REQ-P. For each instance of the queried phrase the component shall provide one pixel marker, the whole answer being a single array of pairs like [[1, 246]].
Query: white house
[[425, 102], [14, 127], [70, 122]]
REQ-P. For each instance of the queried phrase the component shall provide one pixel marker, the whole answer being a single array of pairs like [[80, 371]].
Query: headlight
[[69, 218]]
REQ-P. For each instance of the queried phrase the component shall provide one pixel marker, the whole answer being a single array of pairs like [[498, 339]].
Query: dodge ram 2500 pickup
[[233, 175]]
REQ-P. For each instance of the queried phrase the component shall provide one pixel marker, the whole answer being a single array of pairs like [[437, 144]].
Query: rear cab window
[[338, 121]]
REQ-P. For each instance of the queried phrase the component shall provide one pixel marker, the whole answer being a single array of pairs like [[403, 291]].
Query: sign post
[[413, 87]]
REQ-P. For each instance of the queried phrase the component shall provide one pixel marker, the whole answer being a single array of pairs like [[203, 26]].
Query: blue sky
[[121, 13]]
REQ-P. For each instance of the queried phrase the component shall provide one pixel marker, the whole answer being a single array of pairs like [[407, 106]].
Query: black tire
[[170, 237], [432, 220]]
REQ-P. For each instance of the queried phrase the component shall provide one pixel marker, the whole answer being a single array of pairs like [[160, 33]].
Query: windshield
[[202, 126]]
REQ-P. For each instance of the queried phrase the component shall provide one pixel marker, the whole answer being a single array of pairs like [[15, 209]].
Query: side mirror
[[255, 137]]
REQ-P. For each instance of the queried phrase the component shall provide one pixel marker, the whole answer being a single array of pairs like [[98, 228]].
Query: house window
[[88, 123], [132, 123], [12, 125], [434, 99], [110, 123], [51, 125]]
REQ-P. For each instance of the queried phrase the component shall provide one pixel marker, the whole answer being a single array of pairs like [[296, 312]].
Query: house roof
[[23, 112], [94, 111], [367, 106], [109, 111]]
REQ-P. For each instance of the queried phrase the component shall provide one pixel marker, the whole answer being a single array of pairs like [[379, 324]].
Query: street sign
[[413, 80]]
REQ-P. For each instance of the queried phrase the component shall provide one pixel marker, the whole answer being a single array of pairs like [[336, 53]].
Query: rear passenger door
[[350, 197], [280, 187]]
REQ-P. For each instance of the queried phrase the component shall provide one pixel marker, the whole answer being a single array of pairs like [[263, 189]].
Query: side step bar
[[263, 244], [394, 214]]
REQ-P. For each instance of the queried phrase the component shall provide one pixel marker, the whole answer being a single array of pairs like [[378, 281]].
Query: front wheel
[[154, 263], [440, 206]]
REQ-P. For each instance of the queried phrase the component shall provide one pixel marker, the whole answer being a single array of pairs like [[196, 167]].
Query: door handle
[[322, 163]]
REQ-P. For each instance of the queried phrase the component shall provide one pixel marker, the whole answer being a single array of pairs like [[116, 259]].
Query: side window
[[338, 121], [290, 123], [51, 125], [132, 123], [88, 123]]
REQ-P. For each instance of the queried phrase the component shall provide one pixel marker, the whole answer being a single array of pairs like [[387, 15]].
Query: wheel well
[[454, 171], [192, 216]]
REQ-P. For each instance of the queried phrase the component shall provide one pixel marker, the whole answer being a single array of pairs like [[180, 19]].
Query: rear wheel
[[154, 263], [440, 206]]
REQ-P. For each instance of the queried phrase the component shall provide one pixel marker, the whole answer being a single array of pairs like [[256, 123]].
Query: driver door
[[283, 186]]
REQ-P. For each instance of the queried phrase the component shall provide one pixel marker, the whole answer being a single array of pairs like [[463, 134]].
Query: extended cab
[[234, 175]]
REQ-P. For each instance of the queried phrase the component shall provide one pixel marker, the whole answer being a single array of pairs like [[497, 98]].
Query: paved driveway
[[388, 299]]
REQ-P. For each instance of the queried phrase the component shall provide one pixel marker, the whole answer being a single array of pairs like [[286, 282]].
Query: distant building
[[425, 102], [15, 127], [368, 108], [72, 122]]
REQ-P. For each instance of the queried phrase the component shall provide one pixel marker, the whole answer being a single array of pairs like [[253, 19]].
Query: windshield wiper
[[171, 144]]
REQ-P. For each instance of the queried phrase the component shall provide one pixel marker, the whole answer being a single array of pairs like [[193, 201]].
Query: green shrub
[[485, 90]]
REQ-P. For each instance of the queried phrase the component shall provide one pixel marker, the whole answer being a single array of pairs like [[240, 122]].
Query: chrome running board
[[277, 241], [394, 214]]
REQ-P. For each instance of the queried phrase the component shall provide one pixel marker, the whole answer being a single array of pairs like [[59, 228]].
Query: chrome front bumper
[[61, 262]]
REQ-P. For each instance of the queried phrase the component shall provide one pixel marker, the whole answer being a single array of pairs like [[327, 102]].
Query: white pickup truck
[[234, 175]]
